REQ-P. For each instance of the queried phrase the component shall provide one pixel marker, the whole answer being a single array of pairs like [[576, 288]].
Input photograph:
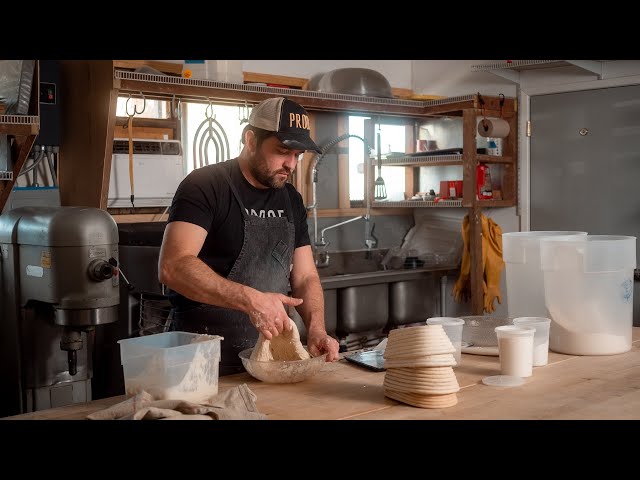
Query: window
[[149, 108], [392, 139], [206, 143]]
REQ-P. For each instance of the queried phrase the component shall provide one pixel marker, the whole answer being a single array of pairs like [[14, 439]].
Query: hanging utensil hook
[[135, 107], [176, 107], [243, 113], [208, 113], [485, 124]]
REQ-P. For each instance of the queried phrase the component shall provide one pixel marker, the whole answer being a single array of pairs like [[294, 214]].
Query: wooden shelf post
[[87, 132]]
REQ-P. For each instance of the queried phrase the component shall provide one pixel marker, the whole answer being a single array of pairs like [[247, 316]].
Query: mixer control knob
[[99, 270]]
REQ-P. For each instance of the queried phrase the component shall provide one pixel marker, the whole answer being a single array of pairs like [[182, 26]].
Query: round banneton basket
[[479, 336], [281, 371]]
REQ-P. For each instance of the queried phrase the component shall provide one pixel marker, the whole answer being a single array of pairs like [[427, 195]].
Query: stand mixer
[[58, 281]]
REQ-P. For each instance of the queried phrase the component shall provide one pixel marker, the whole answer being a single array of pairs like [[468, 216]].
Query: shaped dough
[[286, 346]]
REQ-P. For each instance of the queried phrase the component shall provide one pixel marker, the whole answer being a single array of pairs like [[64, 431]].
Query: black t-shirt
[[205, 198]]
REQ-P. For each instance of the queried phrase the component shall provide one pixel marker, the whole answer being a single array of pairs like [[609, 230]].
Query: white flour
[[589, 344], [541, 354], [516, 355], [194, 381]]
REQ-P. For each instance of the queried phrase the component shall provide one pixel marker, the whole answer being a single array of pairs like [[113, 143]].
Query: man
[[237, 238]]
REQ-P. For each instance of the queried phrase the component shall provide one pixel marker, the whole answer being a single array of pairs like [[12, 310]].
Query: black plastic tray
[[371, 359]]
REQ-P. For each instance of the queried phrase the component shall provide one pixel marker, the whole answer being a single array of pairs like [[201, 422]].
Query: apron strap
[[225, 172], [287, 200]]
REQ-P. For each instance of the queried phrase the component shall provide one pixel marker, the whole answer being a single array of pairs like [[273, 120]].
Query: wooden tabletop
[[569, 387]]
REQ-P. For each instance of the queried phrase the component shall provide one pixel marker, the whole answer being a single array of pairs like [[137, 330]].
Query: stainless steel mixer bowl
[[352, 81]]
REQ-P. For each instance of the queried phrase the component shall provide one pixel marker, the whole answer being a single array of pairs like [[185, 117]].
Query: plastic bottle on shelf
[[483, 179], [196, 69], [492, 147]]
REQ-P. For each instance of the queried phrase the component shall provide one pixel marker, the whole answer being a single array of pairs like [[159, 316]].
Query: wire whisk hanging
[[210, 133]]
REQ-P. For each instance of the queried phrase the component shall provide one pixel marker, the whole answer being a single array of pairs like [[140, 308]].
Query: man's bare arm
[[181, 270], [305, 284]]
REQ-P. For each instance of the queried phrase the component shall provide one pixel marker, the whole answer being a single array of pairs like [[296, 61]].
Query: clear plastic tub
[[525, 280], [515, 346], [172, 365], [540, 339], [453, 327], [588, 286]]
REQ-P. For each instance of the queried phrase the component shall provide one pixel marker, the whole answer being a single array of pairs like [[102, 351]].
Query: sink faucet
[[370, 240], [322, 258]]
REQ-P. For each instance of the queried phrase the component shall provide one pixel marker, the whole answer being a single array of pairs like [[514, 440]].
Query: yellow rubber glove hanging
[[462, 288], [492, 262]]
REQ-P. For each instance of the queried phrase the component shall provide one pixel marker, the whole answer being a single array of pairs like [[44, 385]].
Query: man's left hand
[[319, 343]]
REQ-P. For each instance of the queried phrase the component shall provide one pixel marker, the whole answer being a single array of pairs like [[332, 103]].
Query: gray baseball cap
[[289, 121]]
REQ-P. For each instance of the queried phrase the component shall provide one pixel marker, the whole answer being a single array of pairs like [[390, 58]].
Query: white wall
[[451, 78], [398, 72]]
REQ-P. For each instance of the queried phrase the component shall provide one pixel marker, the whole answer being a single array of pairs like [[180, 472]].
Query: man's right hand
[[268, 315]]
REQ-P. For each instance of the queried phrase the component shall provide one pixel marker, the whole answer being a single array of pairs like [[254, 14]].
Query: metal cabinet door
[[585, 163]]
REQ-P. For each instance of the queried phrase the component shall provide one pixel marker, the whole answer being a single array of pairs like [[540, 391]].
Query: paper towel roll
[[493, 127]]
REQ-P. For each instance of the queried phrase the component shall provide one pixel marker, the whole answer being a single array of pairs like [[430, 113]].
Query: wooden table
[[569, 387]]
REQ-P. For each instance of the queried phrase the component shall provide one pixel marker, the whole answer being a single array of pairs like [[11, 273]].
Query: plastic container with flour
[[525, 279], [515, 347], [540, 339], [588, 288], [172, 365]]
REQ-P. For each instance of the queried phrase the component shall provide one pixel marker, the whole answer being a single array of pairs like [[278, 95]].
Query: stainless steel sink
[[362, 309], [368, 297], [348, 263], [413, 301]]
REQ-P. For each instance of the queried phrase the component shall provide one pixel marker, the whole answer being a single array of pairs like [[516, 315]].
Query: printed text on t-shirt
[[264, 213]]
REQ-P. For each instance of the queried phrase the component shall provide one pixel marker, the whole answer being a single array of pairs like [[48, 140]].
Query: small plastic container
[[453, 328], [540, 339], [515, 347], [229, 71], [172, 365], [196, 69]]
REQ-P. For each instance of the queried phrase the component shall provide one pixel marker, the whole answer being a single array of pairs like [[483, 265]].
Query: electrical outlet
[[48, 93]]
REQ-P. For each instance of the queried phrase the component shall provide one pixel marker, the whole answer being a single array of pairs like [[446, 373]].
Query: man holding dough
[[237, 238]]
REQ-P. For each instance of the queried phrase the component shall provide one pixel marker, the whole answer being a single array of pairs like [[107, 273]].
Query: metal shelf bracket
[[511, 75], [593, 66], [511, 71]]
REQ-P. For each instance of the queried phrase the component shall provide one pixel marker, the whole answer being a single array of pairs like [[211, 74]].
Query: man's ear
[[250, 140]]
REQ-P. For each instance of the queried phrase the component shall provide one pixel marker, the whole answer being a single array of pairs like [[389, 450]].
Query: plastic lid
[[515, 331], [528, 321], [503, 381], [445, 321]]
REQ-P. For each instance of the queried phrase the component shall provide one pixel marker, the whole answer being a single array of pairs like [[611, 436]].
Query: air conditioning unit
[[157, 172]]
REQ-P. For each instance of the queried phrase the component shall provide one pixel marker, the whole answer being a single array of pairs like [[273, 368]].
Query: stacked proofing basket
[[588, 286], [419, 363]]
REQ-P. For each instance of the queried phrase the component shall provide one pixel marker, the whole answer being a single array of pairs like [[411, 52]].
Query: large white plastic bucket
[[588, 286], [525, 289]]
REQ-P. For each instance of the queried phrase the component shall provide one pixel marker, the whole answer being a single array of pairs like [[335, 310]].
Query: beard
[[260, 171]]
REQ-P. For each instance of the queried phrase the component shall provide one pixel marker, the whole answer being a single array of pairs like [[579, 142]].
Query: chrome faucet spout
[[322, 232], [317, 159]]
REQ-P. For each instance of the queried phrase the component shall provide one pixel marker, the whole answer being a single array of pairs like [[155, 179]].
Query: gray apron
[[264, 263]]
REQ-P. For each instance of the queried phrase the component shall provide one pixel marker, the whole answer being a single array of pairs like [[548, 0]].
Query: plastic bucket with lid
[[521, 254], [588, 288]]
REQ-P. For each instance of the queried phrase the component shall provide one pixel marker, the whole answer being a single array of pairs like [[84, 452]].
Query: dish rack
[[155, 314]]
